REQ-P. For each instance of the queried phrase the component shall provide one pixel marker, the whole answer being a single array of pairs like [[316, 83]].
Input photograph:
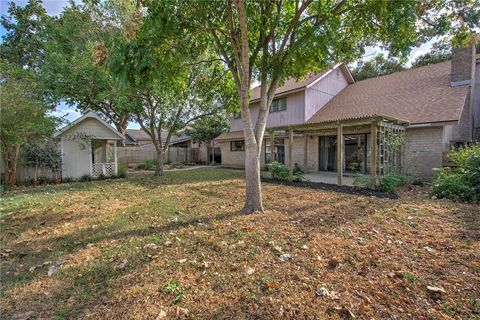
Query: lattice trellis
[[391, 140], [106, 169]]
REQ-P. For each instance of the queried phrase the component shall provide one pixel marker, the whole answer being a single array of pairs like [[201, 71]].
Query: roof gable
[[102, 129], [293, 85]]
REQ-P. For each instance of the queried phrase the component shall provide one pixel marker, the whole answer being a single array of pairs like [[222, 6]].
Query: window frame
[[234, 148], [277, 105]]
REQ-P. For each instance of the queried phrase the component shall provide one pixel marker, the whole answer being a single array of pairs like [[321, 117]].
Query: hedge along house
[[88, 147], [403, 121]]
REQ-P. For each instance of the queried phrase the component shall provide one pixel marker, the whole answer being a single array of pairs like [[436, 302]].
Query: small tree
[[43, 156], [24, 116]]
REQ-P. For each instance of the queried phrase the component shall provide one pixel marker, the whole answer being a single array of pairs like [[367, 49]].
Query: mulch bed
[[335, 188]]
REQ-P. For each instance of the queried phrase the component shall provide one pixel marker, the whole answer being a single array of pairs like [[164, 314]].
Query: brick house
[[430, 108]]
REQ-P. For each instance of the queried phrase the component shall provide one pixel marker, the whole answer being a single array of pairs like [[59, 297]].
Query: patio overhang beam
[[308, 127]]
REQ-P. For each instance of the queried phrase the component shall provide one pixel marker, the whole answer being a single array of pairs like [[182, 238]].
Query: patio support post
[[272, 147], [305, 158], [339, 154], [373, 154], [290, 154], [115, 156]]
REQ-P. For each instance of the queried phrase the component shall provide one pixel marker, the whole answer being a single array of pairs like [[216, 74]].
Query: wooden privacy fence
[[130, 155], [27, 174]]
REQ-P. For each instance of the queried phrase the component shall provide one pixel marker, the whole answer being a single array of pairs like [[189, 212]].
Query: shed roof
[[115, 135], [420, 95]]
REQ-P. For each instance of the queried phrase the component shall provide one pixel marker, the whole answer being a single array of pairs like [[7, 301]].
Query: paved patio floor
[[329, 177]]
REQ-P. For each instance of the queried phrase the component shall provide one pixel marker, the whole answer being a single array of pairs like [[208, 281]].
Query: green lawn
[[148, 248]]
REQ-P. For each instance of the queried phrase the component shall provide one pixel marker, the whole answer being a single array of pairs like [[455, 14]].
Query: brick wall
[[462, 63], [423, 151], [231, 159]]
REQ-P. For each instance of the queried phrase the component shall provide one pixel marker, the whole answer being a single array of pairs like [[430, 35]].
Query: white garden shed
[[88, 147]]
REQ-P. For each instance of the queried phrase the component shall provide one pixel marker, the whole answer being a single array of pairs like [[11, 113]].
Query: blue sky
[[55, 7]]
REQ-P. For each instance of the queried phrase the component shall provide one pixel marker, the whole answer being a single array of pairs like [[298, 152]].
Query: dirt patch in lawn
[[177, 247]]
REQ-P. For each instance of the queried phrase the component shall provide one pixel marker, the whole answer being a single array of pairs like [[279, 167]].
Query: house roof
[[293, 84], [420, 95], [90, 114], [140, 135]]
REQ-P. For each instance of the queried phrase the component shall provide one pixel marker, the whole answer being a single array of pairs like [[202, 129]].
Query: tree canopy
[[72, 70]]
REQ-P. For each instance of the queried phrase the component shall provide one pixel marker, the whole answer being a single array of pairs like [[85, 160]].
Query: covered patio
[[369, 145]]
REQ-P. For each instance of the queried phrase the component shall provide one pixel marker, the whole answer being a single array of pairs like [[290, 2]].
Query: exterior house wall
[[321, 92], [463, 130], [293, 115], [76, 159], [476, 102], [423, 151]]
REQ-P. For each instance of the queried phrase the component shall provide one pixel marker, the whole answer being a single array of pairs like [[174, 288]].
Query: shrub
[[463, 181], [148, 165], [363, 181], [280, 172], [387, 183], [121, 171], [391, 181]]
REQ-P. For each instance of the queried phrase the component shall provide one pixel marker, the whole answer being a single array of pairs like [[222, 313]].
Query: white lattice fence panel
[[106, 169]]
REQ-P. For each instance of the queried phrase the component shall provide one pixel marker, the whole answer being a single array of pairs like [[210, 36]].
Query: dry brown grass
[[144, 247]]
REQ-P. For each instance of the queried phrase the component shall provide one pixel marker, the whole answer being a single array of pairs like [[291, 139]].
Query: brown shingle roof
[[418, 95], [234, 135], [290, 85]]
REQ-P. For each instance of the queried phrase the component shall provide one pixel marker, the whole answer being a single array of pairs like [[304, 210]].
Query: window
[[236, 114], [238, 145], [278, 151], [279, 105]]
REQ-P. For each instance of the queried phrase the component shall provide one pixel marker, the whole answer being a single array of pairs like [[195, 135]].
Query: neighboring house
[[432, 107], [182, 147], [88, 147]]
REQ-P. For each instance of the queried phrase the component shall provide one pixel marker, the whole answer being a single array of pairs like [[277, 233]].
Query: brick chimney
[[463, 62]]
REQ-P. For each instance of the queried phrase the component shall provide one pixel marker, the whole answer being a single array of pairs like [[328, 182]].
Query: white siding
[[92, 127], [323, 91], [76, 159]]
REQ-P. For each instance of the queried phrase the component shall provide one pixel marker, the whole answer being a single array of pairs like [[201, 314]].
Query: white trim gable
[[89, 114]]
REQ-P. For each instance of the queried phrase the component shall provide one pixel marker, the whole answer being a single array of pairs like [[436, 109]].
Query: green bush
[[391, 181], [148, 165], [363, 181], [280, 171], [121, 171], [463, 180]]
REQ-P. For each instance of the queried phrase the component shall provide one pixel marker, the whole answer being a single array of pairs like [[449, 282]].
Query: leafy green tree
[[208, 128], [176, 82], [378, 66], [24, 116], [440, 51], [24, 111], [73, 70], [23, 43]]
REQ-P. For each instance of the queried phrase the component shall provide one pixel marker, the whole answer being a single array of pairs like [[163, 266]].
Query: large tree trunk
[[159, 166], [253, 200]]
